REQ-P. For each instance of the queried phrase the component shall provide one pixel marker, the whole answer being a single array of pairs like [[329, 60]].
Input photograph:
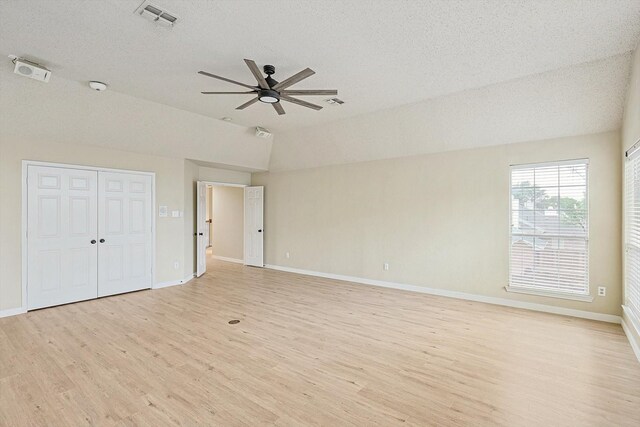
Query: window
[[632, 235], [550, 229]]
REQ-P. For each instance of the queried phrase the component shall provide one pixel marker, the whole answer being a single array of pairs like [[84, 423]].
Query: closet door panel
[[61, 236], [125, 232]]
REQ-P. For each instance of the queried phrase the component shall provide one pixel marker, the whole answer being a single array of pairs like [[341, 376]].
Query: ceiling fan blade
[[278, 107], [226, 93], [307, 72], [246, 104], [204, 73], [257, 74], [300, 102], [311, 92]]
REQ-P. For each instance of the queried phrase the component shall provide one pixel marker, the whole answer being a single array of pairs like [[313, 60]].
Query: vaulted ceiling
[[379, 54]]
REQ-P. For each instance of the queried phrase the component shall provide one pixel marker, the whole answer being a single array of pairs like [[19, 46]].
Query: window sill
[[551, 294]]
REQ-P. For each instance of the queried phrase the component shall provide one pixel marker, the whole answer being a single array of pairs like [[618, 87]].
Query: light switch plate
[[163, 211]]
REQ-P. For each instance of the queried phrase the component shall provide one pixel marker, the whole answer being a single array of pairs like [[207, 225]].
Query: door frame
[[219, 184], [24, 239]]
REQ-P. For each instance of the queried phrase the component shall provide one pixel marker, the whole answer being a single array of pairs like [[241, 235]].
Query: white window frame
[[631, 312], [584, 297]]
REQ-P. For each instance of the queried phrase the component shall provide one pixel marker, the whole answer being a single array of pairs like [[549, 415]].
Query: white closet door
[[202, 229], [253, 226], [61, 236], [125, 234]]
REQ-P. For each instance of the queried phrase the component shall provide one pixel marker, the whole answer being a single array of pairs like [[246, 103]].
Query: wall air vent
[[156, 14]]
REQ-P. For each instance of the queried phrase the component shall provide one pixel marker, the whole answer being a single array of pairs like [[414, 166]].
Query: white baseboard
[[460, 295], [631, 327], [161, 285], [635, 345], [224, 258], [12, 311]]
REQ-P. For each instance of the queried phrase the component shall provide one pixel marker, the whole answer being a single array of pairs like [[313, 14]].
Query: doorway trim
[[24, 240], [219, 184]]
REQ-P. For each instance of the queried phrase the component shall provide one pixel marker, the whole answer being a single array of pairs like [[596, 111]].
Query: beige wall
[[228, 221], [169, 191], [440, 220], [631, 134]]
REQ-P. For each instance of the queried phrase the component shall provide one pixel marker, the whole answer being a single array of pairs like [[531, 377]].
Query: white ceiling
[[576, 100], [379, 54]]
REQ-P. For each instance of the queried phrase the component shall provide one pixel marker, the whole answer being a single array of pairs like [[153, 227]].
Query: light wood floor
[[309, 351]]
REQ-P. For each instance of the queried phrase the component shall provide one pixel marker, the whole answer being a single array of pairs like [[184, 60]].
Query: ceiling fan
[[271, 91]]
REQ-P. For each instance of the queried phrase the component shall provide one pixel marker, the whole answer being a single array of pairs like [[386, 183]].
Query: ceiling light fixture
[[269, 96]]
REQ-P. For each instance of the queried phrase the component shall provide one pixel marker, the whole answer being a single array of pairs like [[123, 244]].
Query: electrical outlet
[[385, 266], [176, 265], [602, 291], [288, 255]]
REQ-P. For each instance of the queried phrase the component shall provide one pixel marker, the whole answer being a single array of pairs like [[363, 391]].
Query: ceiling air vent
[[156, 14], [334, 101]]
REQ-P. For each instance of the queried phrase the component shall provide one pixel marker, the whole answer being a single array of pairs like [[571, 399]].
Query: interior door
[[125, 232], [202, 229], [61, 236], [253, 226]]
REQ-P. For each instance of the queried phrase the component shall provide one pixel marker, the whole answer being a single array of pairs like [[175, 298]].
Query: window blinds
[[632, 235], [549, 227]]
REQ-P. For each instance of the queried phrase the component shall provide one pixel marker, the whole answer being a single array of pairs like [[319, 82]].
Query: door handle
[[200, 234], [101, 240], [259, 231], [93, 242]]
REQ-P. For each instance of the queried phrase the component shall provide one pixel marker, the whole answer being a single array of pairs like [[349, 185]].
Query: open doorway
[[224, 233], [229, 224]]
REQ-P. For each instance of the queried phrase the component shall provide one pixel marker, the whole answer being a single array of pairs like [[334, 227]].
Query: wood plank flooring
[[309, 351]]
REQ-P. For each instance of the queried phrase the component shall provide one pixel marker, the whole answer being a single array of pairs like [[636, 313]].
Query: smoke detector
[[30, 69], [97, 86], [156, 14]]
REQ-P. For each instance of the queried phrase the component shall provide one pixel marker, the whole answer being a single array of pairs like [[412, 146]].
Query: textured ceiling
[[379, 54], [576, 100]]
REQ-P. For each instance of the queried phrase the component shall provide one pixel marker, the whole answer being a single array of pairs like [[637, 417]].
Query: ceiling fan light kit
[[270, 91]]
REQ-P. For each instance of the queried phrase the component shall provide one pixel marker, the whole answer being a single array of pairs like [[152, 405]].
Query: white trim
[[224, 184], [551, 294], [460, 295], [634, 321], [550, 163], [224, 258], [12, 311], [631, 329], [27, 163], [631, 153], [161, 285]]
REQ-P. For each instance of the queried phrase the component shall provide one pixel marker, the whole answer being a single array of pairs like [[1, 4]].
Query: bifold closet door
[[125, 234], [61, 236]]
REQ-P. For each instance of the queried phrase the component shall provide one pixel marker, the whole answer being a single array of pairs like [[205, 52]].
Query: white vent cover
[[334, 101], [156, 14], [262, 132]]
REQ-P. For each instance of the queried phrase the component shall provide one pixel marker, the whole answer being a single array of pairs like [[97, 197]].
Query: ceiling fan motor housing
[[269, 69]]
